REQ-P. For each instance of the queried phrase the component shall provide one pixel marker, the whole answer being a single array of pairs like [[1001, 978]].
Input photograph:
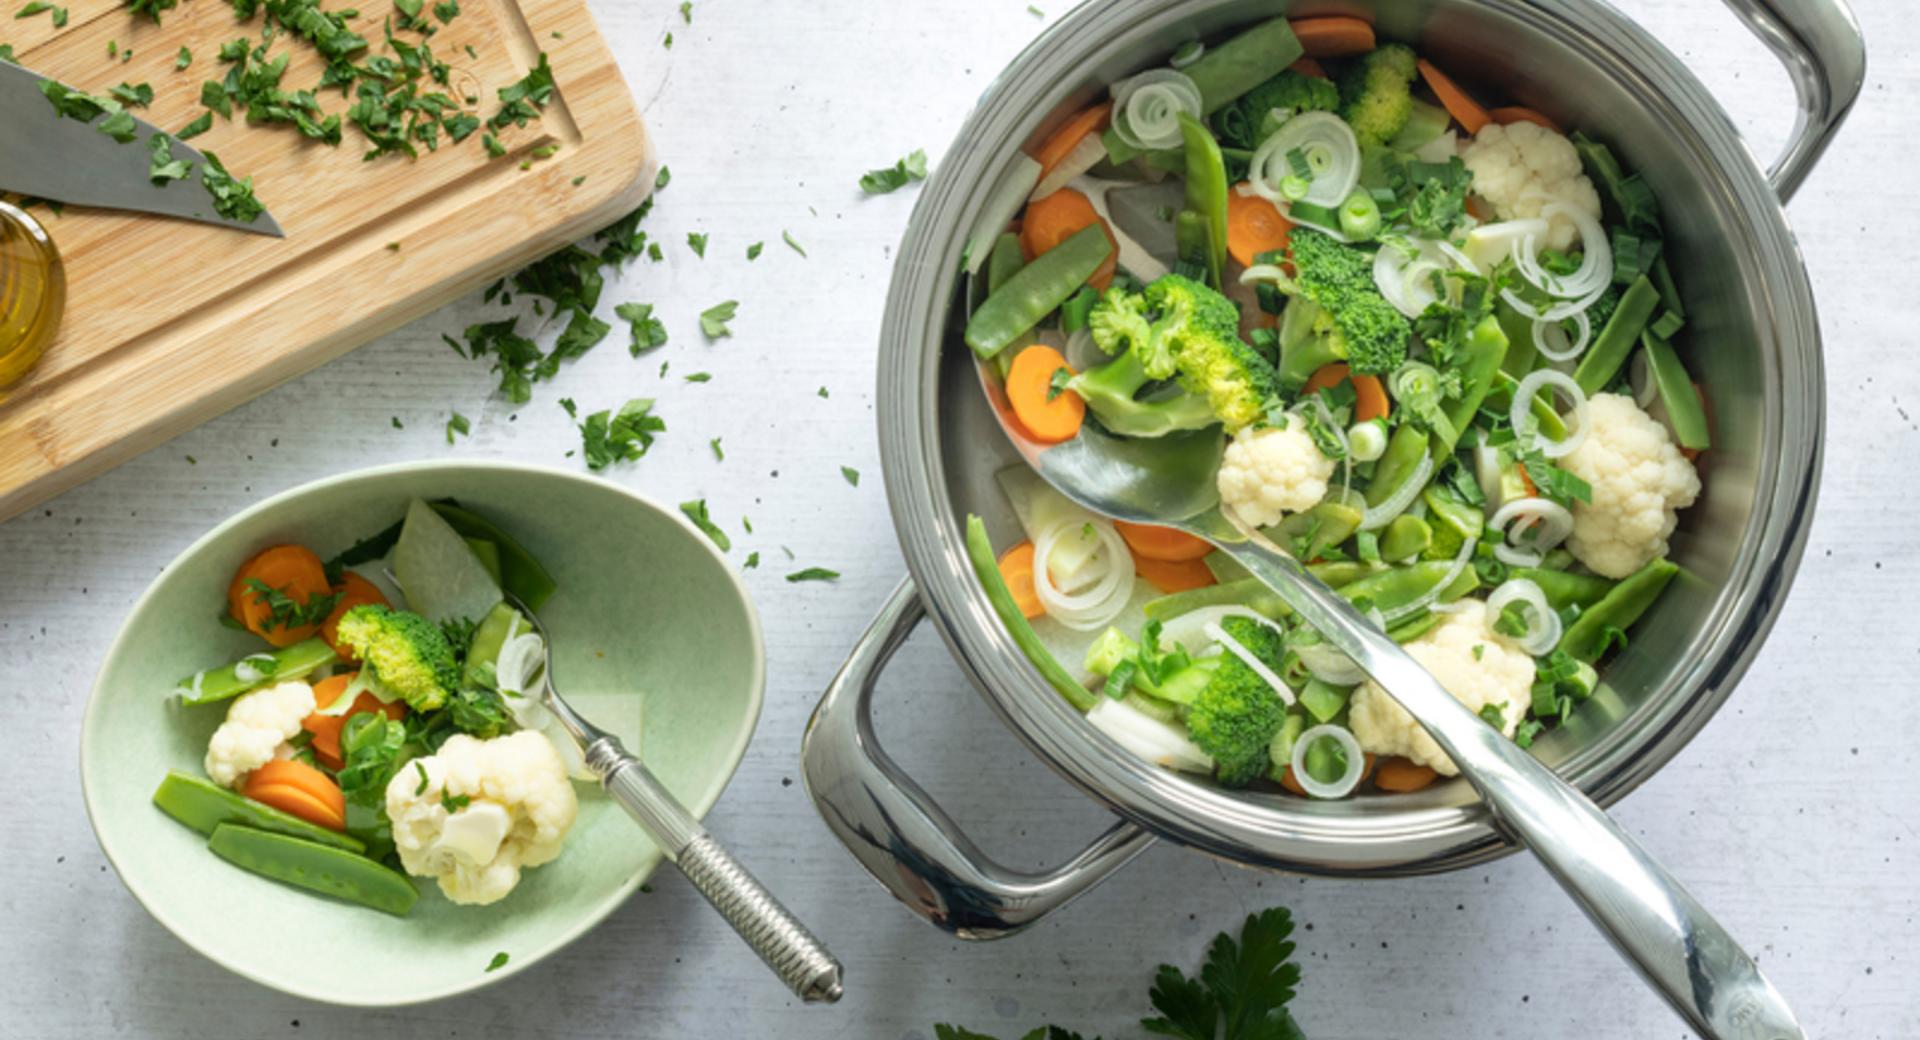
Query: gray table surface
[[1793, 815]]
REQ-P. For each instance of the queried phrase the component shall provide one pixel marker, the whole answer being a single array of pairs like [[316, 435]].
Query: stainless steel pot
[[1752, 338]]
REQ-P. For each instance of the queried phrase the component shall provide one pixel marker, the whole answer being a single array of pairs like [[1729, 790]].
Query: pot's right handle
[[1820, 44], [906, 841]]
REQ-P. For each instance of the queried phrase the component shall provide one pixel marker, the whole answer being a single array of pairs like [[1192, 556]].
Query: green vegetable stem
[[1034, 291]]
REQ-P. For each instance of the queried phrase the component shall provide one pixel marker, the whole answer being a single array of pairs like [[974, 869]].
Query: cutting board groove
[[170, 322]]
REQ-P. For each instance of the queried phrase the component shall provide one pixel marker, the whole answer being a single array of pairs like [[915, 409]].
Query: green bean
[[1669, 289], [1396, 466], [1253, 57], [1035, 290], [1592, 632], [1394, 588], [1684, 410], [1613, 342], [1501, 399], [203, 806], [1447, 508], [1005, 260], [1073, 313], [1478, 364], [1324, 526], [1406, 537], [1207, 190], [1409, 629], [1249, 592], [255, 670], [1564, 589], [1192, 241], [987, 568], [1521, 353], [311, 865]]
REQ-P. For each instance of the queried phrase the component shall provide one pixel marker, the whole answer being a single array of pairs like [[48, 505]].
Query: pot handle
[[1820, 44], [897, 832]]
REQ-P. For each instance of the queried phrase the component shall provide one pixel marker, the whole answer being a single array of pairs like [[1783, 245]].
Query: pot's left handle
[[901, 836]]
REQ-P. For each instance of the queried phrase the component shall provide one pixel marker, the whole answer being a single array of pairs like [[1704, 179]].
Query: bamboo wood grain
[[170, 323]]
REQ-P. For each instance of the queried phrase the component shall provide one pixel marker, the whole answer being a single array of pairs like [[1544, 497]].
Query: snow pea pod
[[1005, 260], [1255, 56], [1405, 538], [204, 806], [1391, 589], [1397, 464], [1251, 593], [1207, 190], [311, 865], [1521, 353], [1325, 525], [987, 568], [1033, 292], [1564, 589], [255, 670], [1478, 364], [1684, 410], [1612, 344], [1592, 632]]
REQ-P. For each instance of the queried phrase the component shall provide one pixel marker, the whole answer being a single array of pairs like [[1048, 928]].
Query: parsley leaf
[[852, 475], [133, 95], [522, 100], [753, 251], [647, 331], [1493, 716], [162, 167], [458, 425], [283, 612], [1248, 985], [792, 243], [686, 11], [895, 177], [696, 511], [194, 129], [232, 198], [813, 574], [184, 59], [718, 454], [421, 787], [499, 961], [152, 8], [713, 320], [698, 242], [608, 437]]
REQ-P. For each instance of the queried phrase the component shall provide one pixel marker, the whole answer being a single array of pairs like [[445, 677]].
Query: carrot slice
[[1171, 576], [1402, 775], [291, 570], [1162, 543], [326, 729], [354, 591], [1509, 114], [1254, 226], [300, 789], [1333, 36], [1056, 148], [1053, 219], [1309, 67], [328, 690], [1050, 416], [1016, 569], [1458, 103], [1370, 396]]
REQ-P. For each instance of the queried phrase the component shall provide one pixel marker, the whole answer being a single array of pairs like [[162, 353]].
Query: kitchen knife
[[47, 155]]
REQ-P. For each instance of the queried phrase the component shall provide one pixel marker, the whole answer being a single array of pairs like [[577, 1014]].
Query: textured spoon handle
[[775, 934]]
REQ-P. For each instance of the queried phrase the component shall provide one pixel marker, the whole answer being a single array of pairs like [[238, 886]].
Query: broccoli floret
[[1190, 331], [1110, 393], [1376, 94], [1238, 125], [407, 653], [1359, 325], [1119, 322], [1239, 385], [1235, 717]]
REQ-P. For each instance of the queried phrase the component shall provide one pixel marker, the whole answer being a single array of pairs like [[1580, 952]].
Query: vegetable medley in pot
[[396, 720], [1441, 339]]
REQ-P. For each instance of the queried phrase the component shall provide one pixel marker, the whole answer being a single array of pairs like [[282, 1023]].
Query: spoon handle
[[1677, 946], [785, 944]]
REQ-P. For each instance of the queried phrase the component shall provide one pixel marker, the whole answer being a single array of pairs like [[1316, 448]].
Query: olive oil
[[33, 291]]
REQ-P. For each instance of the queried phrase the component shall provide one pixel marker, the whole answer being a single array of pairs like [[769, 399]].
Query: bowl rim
[[614, 899], [916, 334]]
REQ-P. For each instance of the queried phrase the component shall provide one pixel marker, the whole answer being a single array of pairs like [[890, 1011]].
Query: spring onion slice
[[1551, 340], [1596, 256], [1328, 664], [1381, 515], [1490, 244], [1148, 737], [1543, 623], [1432, 595], [1526, 426], [1640, 377], [1085, 156], [1348, 780], [1540, 525], [1246, 656], [1000, 208], [1332, 156], [1147, 108], [1111, 583], [1082, 353]]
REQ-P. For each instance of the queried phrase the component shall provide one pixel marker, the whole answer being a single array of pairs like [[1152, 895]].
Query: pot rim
[[1366, 837]]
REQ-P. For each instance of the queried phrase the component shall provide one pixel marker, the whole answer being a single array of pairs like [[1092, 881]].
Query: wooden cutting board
[[169, 323]]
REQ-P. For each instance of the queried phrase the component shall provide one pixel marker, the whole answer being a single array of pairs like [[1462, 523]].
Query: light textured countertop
[[1793, 815]]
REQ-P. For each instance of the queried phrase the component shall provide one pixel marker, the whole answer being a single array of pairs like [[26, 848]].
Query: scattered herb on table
[[822, 391], [895, 177], [608, 436], [162, 167], [458, 425], [647, 331], [852, 475], [696, 511], [232, 197], [184, 59], [753, 560], [698, 377], [667, 41], [58, 14], [792, 243], [697, 241], [133, 95], [200, 125], [753, 251], [713, 320], [718, 454], [686, 11], [813, 574], [152, 8]]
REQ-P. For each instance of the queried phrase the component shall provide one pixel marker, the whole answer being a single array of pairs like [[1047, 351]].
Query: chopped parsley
[[686, 11], [852, 475], [608, 437], [59, 14], [184, 59], [420, 788], [152, 8], [813, 574], [697, 241], [458, 425], [822, 392], [713, 320], [499, 961], [792, 243], [753, 560], [718, 454], [698, 377], [696, 511], [1057, 383], [646, 331], [522, 100], [1493, 716], [893, 178], [133, 95], [232, 197], [753, 251], [200, 125], [283, 612], [162, 167], [453, 803]]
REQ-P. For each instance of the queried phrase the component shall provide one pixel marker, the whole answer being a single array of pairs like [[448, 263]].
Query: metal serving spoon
[[1676, 945], [786, 946]]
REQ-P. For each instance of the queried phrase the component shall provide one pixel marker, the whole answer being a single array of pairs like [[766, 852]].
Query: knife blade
[[73, 162]]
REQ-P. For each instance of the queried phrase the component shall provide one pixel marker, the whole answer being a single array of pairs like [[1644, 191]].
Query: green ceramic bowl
[[648, 617]]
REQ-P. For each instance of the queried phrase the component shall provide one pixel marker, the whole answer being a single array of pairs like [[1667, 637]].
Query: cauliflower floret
[[519, 808], [1521, 167], [1268, 472], [1640, 482], [1498, 674], [258, 725]]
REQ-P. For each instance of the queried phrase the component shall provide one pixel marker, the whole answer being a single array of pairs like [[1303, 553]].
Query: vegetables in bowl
[[397, 721], [1418, 321]]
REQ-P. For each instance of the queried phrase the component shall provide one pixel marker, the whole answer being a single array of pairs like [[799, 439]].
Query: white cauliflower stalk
[[258, 725], [1521, 167], [1497, 674], [1640, 483], [1269, 472], [519, 806]]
